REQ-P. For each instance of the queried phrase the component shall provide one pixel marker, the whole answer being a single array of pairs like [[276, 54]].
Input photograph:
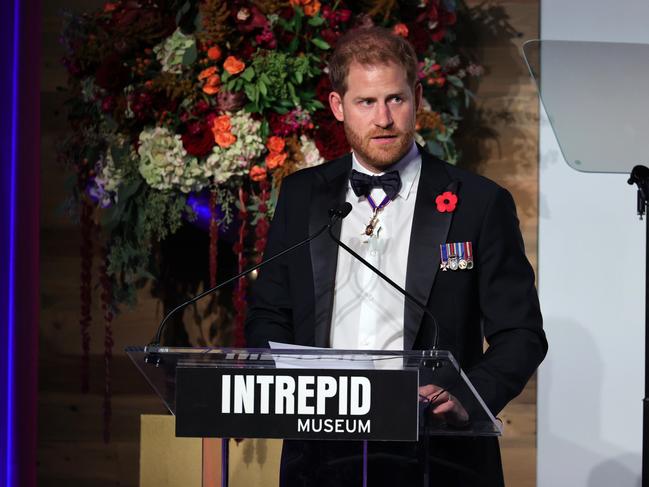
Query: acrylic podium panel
[[193, 384]]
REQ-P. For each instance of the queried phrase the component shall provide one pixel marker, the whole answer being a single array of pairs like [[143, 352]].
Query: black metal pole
[[645, 401], [225, 462], [640, 177]]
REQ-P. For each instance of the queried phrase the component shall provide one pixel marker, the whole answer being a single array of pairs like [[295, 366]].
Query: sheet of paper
[[307, 361]]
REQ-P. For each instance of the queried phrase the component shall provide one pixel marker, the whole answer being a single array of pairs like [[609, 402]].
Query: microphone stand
[[408, 296], [335, 214], [640, 177]]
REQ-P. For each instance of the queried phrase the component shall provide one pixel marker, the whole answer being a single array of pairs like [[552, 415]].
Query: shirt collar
[[408, 167]]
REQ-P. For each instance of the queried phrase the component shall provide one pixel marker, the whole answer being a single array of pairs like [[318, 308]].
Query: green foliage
[[274, 82], [141, 218]]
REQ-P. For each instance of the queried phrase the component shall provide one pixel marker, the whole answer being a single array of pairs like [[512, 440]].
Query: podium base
[[167, 461]]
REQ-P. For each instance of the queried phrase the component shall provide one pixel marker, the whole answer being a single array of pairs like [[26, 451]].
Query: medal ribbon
[[444, 251], [381, 205]]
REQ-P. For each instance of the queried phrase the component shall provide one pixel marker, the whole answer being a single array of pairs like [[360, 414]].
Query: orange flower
[[233, 66], [400, 29], [275, 144], [214, 53], [257, 173], [225, 139], [295, 3], [206, 73], [275, 159], [212, 85], [221, 124], [312, 8]]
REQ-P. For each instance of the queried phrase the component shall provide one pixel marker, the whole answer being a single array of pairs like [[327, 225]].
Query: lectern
[[310, 394]]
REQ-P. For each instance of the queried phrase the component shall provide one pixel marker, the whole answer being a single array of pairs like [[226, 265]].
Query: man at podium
[[449, 237]]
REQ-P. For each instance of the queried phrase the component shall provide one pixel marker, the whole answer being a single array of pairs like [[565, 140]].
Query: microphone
[[342, 211], [335, 214], [348, 207], [640, 177]]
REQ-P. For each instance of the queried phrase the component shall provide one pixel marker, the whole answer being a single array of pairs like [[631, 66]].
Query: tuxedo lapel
[[329, 191], [429, 229]]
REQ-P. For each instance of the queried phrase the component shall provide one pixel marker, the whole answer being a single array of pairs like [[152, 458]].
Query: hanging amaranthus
[[214, 238], [262, 225], [106, 300], [242, 284], [85, 289]]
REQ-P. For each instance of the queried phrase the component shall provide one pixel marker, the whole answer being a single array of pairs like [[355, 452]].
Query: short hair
[[370, 46]]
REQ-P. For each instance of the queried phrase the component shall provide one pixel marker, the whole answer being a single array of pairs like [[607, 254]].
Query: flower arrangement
[[170, 98]]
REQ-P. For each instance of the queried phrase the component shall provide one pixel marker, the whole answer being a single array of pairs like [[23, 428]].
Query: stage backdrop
[[591, 279]]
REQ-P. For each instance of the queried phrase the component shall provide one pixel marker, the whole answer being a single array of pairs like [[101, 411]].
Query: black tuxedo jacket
[[496, 300]]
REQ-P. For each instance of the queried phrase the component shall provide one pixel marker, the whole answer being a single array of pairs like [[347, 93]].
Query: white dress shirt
[[368, 313]]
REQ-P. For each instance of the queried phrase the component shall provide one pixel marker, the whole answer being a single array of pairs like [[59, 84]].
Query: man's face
[[378, 112]]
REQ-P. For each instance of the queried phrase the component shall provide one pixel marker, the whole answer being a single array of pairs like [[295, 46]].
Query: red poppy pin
[[446, 202]]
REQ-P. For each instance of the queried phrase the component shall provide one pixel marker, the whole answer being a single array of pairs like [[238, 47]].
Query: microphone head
[[639, 174], [341, 211], [344, 209]]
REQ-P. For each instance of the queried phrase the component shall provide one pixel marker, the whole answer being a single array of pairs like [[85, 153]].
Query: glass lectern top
[[595, 95]]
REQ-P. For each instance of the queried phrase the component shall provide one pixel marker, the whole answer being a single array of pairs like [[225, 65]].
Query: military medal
[[469, 255], [462, 264], [371, 226], [369, 229], [452, 257], [444, 257]]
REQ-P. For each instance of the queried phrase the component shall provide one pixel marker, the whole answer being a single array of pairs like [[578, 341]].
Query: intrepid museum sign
[[297, 403]]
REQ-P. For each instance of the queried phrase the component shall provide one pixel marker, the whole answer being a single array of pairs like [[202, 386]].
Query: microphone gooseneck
[[409, 296], [335, 214]]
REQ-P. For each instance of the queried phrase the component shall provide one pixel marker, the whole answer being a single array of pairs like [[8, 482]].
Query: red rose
[[438, 35], [198, 140], [253, 20], [330, 137], [201, 107], [322, 90], [418, 37], [287, 13], [278, 126], [344, 15], [330, 36]]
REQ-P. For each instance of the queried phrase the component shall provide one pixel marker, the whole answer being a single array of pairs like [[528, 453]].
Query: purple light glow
[[200, 203], [12, 253]]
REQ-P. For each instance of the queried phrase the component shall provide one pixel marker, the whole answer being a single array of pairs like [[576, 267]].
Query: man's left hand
[[444, 405]]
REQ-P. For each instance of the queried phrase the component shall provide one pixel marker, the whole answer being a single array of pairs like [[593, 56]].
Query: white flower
[[164, 163], [171, 51], [310, 152]]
